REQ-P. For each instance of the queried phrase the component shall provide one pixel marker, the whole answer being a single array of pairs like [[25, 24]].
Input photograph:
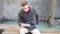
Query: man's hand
[[36, 25]]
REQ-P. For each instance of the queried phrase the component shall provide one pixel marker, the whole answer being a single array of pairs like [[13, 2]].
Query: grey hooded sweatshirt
[[31, 17]]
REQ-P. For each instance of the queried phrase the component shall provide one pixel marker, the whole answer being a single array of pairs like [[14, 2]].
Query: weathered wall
[[1, 8], [12, 7], [57, 8]]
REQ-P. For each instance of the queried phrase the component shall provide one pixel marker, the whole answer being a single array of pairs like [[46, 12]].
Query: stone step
[[10, 28], [18, 33], [42, 31], [10, 33], [14, 29]]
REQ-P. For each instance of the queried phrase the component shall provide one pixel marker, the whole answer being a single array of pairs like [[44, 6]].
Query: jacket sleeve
[[37, 17], [20, 20]]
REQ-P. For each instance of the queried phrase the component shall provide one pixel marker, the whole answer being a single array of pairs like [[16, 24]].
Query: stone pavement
[[14, 29]]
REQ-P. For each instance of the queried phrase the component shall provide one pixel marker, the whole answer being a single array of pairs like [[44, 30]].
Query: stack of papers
[[25, 24]]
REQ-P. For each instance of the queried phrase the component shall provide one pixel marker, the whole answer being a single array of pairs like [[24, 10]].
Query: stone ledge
[[15, 29]]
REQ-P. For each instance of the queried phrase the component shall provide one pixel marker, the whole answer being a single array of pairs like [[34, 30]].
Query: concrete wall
[[1, 8], [10, 8], [57, 8]]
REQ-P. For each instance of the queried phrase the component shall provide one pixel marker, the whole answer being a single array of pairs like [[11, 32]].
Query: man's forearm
[[37, 19]]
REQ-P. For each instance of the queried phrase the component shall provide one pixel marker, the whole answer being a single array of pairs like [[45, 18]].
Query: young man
[[28, 19]]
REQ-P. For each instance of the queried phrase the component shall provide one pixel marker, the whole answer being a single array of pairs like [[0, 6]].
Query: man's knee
[[23, 30], [35, 31]]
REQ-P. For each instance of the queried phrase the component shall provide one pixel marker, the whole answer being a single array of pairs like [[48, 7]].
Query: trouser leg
[[35, 31], [23, 30]]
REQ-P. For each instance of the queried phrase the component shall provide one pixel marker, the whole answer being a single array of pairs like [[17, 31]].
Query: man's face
[[25, 8]]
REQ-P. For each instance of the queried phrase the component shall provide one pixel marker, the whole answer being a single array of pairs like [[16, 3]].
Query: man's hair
[[23, 3]]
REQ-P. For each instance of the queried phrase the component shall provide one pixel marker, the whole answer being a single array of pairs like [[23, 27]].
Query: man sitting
[[28, 19]]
